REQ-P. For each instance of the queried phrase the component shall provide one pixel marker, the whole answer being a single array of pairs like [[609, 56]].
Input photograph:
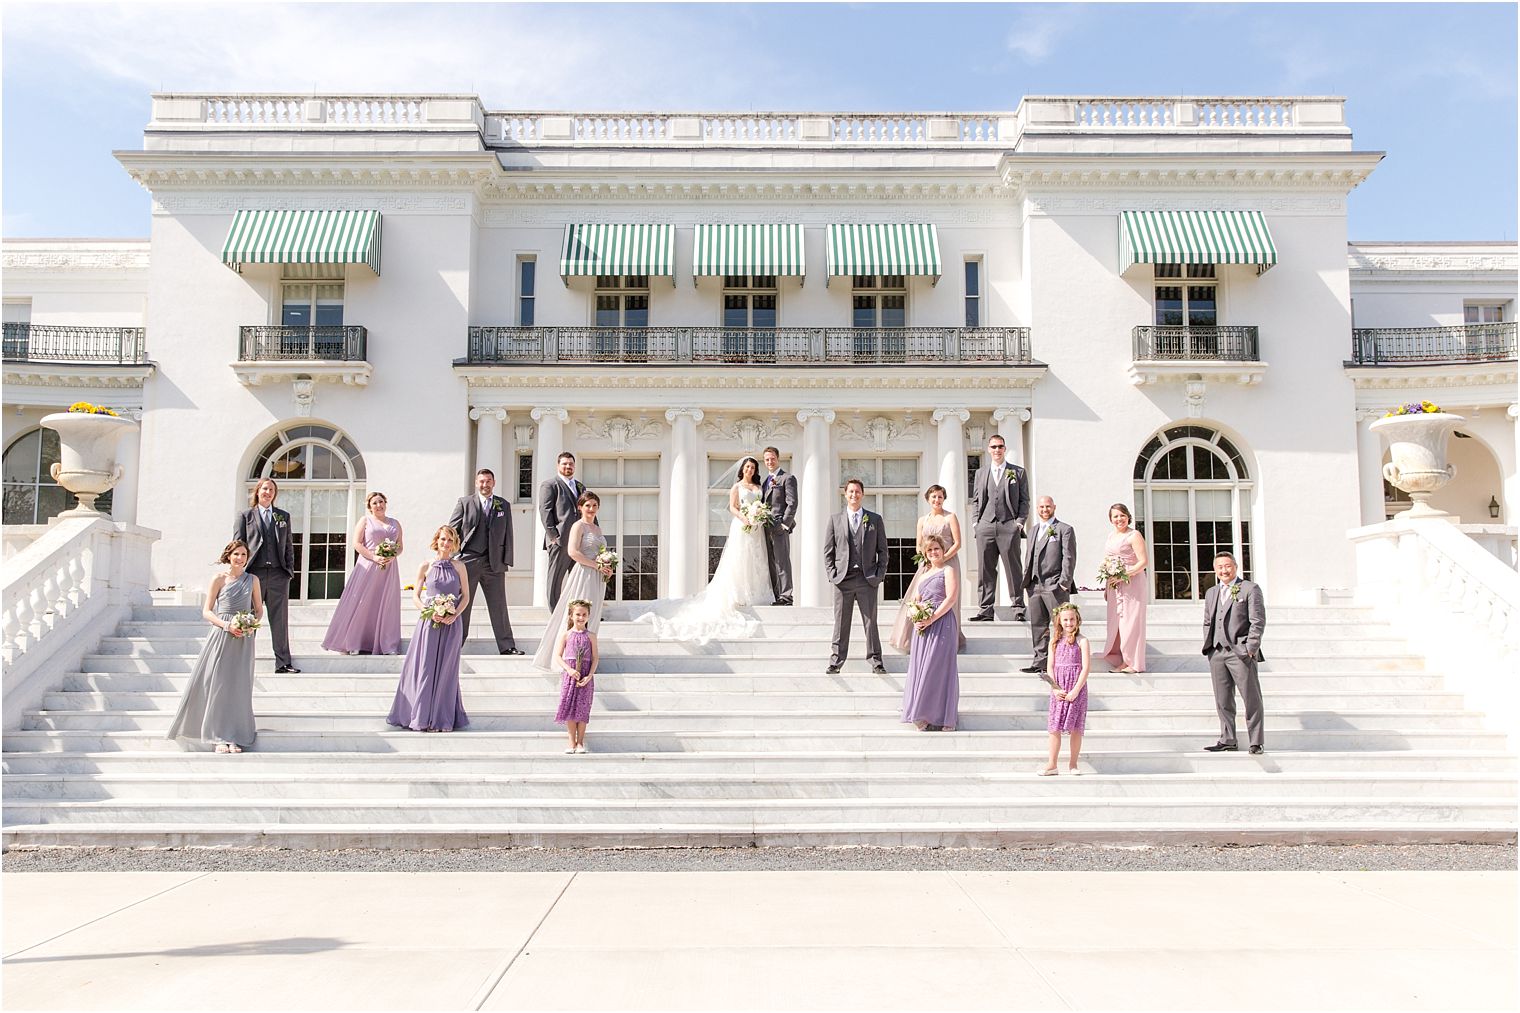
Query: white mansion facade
[[1153, 300]]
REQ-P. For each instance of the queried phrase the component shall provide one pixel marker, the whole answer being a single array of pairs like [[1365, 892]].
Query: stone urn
[[87, 454], [1417, 444]]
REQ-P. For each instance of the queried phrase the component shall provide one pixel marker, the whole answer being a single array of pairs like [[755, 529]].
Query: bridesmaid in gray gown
[[218, 702]]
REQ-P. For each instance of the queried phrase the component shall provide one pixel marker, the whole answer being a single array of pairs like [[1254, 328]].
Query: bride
[[742, 578]]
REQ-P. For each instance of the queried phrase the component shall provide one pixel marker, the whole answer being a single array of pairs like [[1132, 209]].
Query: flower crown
[[1065, 607], [578, 603]]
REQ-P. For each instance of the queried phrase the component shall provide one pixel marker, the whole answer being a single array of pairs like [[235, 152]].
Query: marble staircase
[[748, 741]]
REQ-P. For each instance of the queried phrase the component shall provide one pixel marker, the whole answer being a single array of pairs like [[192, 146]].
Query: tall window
[[525, 477], [1483, 313], [1192, 499], [526, 268], [892, 491], [31, 496], [622, 301], [749, 304], [18, 311], [312, 295], [973, 291], [321, 477], [1187, 295], [630, 521], [880, 300]]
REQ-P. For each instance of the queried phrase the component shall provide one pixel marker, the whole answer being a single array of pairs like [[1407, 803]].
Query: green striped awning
[[1195, 237], [884, 249], [748, 249], [619, 249], [303, 237]]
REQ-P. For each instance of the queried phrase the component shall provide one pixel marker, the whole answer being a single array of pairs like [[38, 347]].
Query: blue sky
[[1431, 84]]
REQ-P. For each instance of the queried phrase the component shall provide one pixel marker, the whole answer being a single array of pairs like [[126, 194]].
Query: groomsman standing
[[272, 559], [484, 523], [999, 504], [1048, 572], [855, 559], [1234, 616], [557, 510], [780, 493]]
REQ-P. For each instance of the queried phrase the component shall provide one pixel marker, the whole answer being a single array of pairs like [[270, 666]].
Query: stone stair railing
[[1457, 604], [60, 595]]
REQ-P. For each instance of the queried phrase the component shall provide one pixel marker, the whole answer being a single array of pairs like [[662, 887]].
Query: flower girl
[[578, 656], [1068, 664]]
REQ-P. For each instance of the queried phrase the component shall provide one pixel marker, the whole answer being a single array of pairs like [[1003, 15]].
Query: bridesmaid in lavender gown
[[1124, 646], [931, 693], [938, 521], [427, 700], [368, 617]]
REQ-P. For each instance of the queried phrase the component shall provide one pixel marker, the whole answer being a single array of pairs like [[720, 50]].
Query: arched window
[[1192, 499], [321, 477], [31, 495]]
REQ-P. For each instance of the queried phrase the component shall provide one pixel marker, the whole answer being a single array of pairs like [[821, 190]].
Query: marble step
[[922, 759], [749, 813], [581, 781], [866, 736], [753, 718], [1356, 683], [611, 698]]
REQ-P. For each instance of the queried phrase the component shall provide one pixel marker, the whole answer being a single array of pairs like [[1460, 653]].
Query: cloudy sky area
[[1431, 84]]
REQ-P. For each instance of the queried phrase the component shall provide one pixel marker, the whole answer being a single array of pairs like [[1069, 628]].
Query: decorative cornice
[[700, 191], [66, 257], [880, 431], [54, 376], [1255, 172], [748, 430], [256, 373], [1370, 265], [619, 430], [1244, 374], [1479, 384], [864, 379]]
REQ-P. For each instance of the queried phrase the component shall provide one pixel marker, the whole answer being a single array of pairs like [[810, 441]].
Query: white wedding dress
[[743, 578]]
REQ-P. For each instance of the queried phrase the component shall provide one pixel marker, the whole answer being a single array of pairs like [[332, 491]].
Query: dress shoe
[[879, 669], [511, 650], [1018, 615], [783, 601], [1033, 669], [981, 617], [1222, 747], [831, 670], [1257, 750], [287, 670]]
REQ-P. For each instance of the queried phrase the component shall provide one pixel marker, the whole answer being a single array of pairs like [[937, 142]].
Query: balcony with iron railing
[[317, 343], [65, 343], [780, 346], [1453, 344], [1231, 343]]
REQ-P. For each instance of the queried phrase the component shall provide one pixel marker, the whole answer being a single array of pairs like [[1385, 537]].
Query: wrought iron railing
[[758, 346], [1228, 343], [27, 342], [1456, 343], [342, 343]]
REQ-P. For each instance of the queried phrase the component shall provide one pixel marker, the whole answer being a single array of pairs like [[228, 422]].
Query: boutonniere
[[1012, 476], [279, 522], [1234, 592]]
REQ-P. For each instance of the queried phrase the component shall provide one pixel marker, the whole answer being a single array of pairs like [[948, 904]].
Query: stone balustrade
[[1234, 113], [60, 594]]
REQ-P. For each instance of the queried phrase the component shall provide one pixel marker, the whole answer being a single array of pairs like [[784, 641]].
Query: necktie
[[854, 523]]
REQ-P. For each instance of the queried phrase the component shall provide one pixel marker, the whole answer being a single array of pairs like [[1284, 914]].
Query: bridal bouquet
[[242, 624], [387, 549], [440, 607], [608, 560], [1113, 570], [919, 611], [756, 514]]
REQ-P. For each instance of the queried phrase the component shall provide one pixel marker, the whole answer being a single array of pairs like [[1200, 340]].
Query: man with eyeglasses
[[999, 505]]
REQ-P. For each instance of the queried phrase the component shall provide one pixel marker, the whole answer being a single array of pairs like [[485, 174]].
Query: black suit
[[997, 518], [1048, 569], [781, 496], [856, 565], [557, 511], [485, 540], [273, 561], [1232, 628]]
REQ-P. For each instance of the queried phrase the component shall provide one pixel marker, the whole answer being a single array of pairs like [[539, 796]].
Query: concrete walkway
[[760, 940]]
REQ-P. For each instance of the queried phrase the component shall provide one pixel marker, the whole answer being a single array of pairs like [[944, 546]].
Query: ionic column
[[488, 449], [819, 492], [685, 515], [1010, 422], [1369, 466], [1511, 495], [129, 456], [951, 453], [551, 440]]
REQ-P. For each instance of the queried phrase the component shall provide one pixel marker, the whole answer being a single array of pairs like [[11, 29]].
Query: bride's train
[[741, 580]]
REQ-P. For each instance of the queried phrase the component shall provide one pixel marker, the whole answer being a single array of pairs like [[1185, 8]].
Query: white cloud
[[1036, 31]]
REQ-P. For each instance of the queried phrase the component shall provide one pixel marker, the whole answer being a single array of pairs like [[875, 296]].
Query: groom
[[779, 490], [855, 559]]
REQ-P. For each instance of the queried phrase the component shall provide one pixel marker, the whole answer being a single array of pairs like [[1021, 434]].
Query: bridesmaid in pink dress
[[368, 617], [943, 525], [1125, 647]]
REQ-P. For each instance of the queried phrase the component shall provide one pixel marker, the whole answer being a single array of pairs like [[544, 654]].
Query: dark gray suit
[[557, 511], [1048, 570], [781, 496], [997, 518], [1232, 628], [856, 564], [485, 541], [272, 560]]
